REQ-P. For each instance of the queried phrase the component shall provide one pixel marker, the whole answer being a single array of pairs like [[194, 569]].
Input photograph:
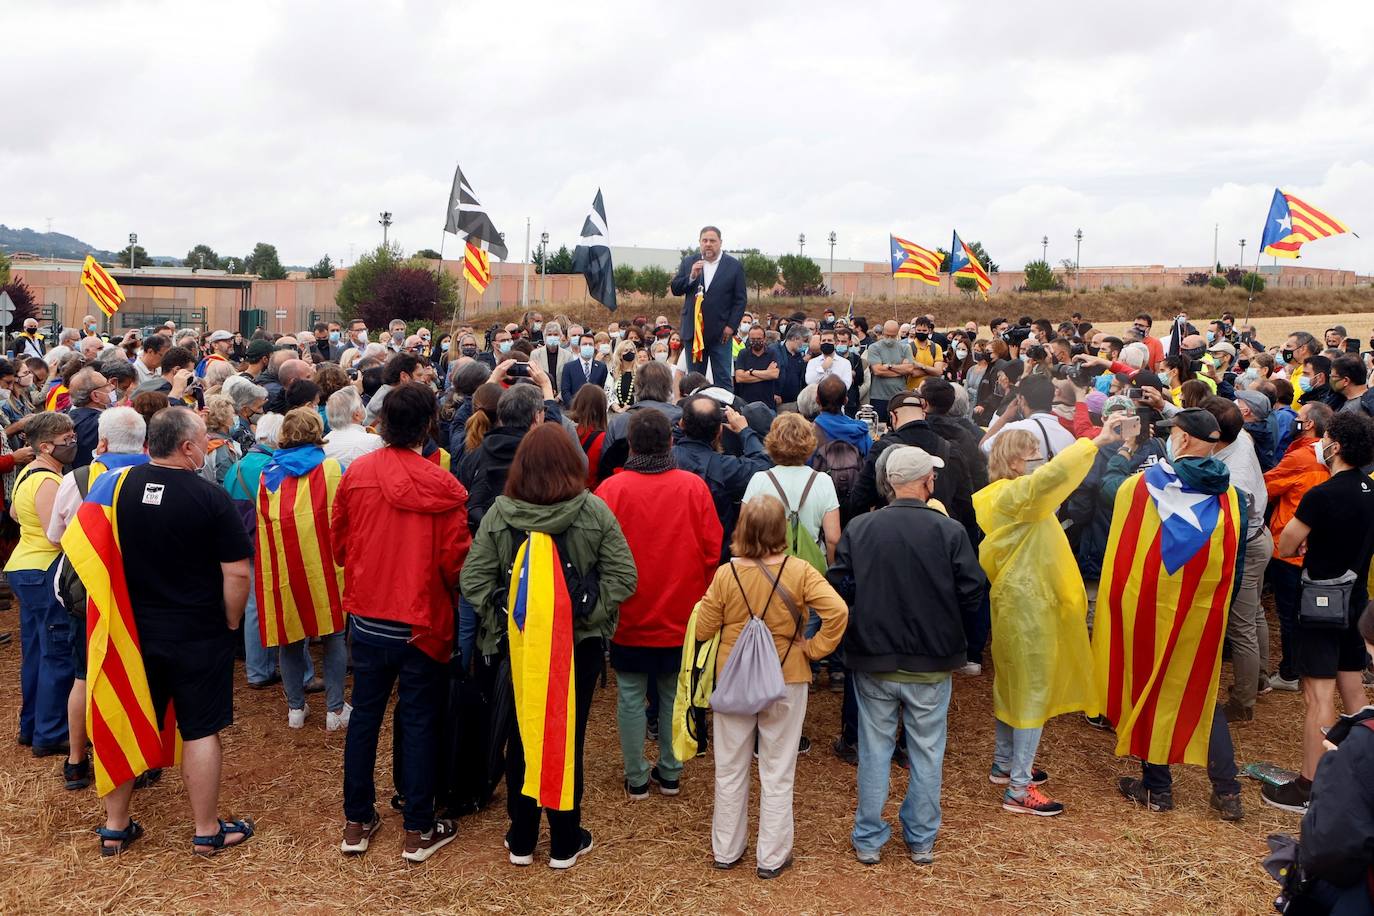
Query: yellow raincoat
[[1043, 664], [696, 680]]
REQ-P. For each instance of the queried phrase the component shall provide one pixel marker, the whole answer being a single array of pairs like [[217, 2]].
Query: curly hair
[[1354, 433], [301, 426], [791, 440], [219, 413]]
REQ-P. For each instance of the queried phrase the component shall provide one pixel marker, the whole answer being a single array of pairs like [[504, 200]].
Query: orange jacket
[[1287, 481]]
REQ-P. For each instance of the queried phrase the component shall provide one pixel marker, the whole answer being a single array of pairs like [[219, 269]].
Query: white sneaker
[[295, 718], [970, 669], [335, 721], [1278, 683]]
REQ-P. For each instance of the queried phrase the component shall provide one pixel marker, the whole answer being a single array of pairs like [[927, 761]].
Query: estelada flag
[[914, 262], [126, 737], [102, 287], [1291, 222], [477, 268], [1161, 617], [298, 587], [541, 663], [963, 262]]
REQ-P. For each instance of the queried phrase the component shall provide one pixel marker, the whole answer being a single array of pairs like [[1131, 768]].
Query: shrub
[[1253, 282], [1197, 278], [1217, 282]]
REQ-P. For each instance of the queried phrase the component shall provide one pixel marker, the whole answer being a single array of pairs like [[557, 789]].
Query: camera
[[518, 370]]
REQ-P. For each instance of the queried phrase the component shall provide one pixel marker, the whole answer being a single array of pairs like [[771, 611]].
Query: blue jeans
[[1221, 762], [259, 663], [419, 682], [632, 688], [721, 360], [296, 665], [1014, 754], [46, 668], [923, 709]]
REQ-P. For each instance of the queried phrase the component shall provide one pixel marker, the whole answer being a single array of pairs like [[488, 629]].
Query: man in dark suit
[[721, 279], [586, 369]]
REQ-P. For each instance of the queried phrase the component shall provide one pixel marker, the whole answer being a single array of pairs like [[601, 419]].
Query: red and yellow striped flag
[[59, 396], [541, 664], [913, 262], [298, 587], [477, 268], [1157, 639], [1291, 222], [101, 286], [126, 737]]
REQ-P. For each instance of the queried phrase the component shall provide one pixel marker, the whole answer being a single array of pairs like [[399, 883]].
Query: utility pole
[[801, 244], [1077, 259], [1044, 248], [386, 224], [525, 270], [543, 264], [133, 240], [831, 281], [1216, 236], [1242, 253]]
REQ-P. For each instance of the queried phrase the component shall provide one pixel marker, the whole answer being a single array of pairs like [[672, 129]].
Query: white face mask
[[661, 357], [1032, 464]]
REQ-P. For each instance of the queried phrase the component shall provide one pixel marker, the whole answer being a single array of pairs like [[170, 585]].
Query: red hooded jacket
[[400, 533], [670, 523]]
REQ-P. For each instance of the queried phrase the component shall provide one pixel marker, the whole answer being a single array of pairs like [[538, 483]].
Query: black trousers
[[565, 827]]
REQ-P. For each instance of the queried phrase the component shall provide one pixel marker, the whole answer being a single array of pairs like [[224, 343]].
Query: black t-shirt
[[175, 529], [1340, 513], [760, 392]]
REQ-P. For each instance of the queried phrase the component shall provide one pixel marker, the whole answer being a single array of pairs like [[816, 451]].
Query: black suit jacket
[[724, 304], [574, 378]]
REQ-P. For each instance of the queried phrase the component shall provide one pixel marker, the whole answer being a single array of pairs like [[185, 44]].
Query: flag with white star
[[1292, 222], [1187, 517]]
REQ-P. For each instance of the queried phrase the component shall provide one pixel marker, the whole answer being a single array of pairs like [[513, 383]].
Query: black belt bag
[[1326, 602]]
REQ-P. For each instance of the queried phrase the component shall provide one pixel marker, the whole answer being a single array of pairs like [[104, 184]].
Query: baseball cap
[[1257, 402], [257, 349], [1195, 422], [1222, 346], [217, 336], [904, 398], [907, 463]]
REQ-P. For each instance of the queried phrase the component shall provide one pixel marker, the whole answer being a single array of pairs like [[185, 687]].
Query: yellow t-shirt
[[925, 354], [34, 550]]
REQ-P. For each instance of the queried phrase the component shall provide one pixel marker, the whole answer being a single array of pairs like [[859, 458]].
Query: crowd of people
[[820, 501]]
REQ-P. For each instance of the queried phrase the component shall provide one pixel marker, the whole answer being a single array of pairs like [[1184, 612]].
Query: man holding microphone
[[714, 297]]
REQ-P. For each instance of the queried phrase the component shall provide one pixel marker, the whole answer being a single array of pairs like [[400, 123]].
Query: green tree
[[141, 258], [561, 261], [1040, 277], [4, 268], [264, 262], [1253, 282], [203, 257], [1217, 282], [760, 272], [688, 252], [428, 254], [357, 288], [625, 278], [988, 263], [323, 270], [799, 273], [966, 285], [653, 282]]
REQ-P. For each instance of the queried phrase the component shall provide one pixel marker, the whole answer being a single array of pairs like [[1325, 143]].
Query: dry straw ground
[[1103, 856]]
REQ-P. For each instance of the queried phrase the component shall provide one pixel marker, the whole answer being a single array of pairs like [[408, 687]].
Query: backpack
[[842, 461], [752, 679], [800, 543], [71, 591]]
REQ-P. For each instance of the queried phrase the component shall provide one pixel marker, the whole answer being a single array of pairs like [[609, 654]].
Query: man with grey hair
[[66, 346], [653, 391], [901, 650], [90, 348], [249, 399], [90, 393], [291, 370], [347, 438], [553, 356]]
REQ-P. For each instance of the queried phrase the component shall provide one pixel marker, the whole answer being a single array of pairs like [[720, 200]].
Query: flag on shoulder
[[592, 257], [964, 263], [101, 286], [467, 219], [126, 737], [1292, 222], [913, 262]]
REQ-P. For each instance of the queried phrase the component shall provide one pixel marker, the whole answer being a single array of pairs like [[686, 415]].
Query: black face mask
[[1191, 353], [1287, 355], [468, 351], [756, 346], [922, 336], [827, 349]]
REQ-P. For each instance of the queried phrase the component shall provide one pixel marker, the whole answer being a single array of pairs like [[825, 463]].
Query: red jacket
[[670, 523], [400, 533]]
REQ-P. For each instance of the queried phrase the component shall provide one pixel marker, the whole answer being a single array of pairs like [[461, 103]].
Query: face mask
[[64, 454], [922, 336], [960, 352], [1250, 375], [587, 351], [1169, 449], [1033, 463], [782, 327], [1211, 336], [204, 457], [398, 336], [675, 345], [114, 398], [333, 337], [361, 338], [470, 350], [616, 335], [841, 348], [827, 349], [551, 340], [1192, 353], [756, 346], [804, 349], [537, 326], [603, 349], [744, 327], [504, 346], [661, 356], [1286, 355], [1320, 448], [1304, 384]]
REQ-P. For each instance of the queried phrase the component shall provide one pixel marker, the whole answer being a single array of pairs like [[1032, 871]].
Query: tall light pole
[[1044, 248], [1242, 253], [801, 243], [831, 240], [525, 270], [1216, 236], [1077, 258], [386, 224], [543, 264], [133, 240]]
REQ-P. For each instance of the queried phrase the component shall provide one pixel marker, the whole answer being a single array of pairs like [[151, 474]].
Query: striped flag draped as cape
[[126, 738], [541, 664], [1162, 606], [298, 587]]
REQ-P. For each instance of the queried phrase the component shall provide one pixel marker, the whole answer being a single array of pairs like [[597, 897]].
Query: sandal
[[124, 837], [216, 842]]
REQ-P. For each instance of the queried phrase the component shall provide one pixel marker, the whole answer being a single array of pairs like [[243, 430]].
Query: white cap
[[907, 463], [217, 336]]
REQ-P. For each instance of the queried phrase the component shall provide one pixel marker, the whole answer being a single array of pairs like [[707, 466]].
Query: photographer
[[1032, 411]]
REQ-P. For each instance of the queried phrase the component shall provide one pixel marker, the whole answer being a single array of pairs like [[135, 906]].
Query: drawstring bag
[[752, 678]]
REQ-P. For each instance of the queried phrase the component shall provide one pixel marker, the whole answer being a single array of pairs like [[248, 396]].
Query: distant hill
[[57, 245]]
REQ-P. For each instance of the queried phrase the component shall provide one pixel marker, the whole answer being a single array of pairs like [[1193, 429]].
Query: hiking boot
[[1236, 713], [867, 856], [669, 787], [1279, 682], [1229, 806], [1135, 790], [921, 856], [569, 862], [77, 775], [1288, 797], [420, 845], [1000, 777], [1032, 802], [356, 836], [768, 874], [847, 752], [636, 793]]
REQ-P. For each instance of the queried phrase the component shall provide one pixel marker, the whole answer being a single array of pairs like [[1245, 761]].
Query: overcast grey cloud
[[295, 123]]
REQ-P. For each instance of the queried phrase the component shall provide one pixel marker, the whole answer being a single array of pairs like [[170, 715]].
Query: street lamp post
[[386, 224], [831, 240], [543, 264], [1044, 248], [1077, 258], [801, 249], [1242, 252], [133, 240]]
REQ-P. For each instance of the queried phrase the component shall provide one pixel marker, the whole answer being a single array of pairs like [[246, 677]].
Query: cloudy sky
[[296, 123]]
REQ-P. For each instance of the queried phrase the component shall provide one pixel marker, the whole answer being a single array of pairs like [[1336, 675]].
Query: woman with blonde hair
[[810, 494], [220, 419], [1042, 660], [299, 589], [762, 581], [216, 374], [620, 377]]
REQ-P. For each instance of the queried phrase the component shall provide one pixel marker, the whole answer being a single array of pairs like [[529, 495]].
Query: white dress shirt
[[839, 367], [708, 271]]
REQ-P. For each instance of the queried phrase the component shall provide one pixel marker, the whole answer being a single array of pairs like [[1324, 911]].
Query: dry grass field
[[1102, 856]]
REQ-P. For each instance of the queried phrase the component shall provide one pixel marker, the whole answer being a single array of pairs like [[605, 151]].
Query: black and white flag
[[592, 257], [467, 219]]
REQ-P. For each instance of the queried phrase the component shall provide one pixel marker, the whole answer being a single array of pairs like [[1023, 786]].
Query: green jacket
[[593, 537]]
